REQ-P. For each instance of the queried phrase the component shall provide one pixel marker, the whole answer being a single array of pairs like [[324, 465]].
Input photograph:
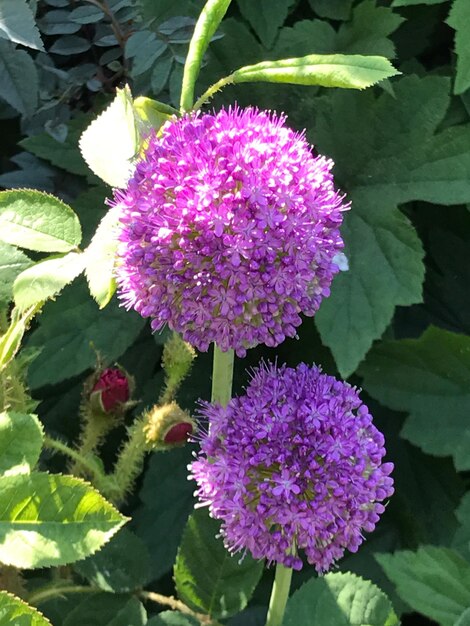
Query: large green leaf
[[427, 377], [336, 70], [12, 263], [406, 3], [49, 519], [334, 9], [172, 618], [207, 577], [44, 280], [434, 581], [21, 437], [459, 19], [402, 158], [107, 610], [72, 328], [266, 17], [17, 24], [38, 221], [19, 82], [121, 566], [342, 600], [111, 141], [461, 540], [15, 612], [464, 619]]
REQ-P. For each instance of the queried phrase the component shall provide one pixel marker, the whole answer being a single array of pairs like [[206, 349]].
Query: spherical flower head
[[295, 464], [111, 391], [230, 226]]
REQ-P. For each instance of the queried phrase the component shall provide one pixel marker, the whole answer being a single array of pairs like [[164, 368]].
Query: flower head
[[111, 391], [295, 464], [229, 229]]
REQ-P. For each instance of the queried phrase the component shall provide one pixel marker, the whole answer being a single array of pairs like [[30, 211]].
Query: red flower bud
[[111, 390], [178, 433], [166, 426]]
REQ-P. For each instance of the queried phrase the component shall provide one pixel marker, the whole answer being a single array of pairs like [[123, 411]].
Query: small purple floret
[[229, 230], [295, 464]]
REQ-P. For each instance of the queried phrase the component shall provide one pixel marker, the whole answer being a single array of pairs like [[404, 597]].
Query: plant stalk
[[222, 376], [279, 595], [227, 80], [54, 444]]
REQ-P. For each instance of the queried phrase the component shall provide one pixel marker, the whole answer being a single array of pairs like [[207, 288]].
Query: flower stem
[[279, 595], [212, 90], [91, 468], [222, 375], [46, 593]]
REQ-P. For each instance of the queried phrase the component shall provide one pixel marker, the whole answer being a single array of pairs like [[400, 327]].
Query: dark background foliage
[[396, 323]]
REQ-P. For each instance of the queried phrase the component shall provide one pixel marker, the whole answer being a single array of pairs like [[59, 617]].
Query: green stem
[[226, 80], [279, 595], [46, 593], [54, 444], [222, 375], [129, 463]]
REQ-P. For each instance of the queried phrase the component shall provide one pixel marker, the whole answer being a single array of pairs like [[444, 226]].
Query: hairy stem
[[222, 375], [212, 90], [279, 595], [54, 444], [129, 463], [46, 593]]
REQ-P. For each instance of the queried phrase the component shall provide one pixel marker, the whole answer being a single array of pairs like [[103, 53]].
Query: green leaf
[[206, 25], [107, 610], [464, 619], [15, 612], [336, 70], [407, 3], [70, 330], [402, 158], [101, 257], [17, 24], [46, 279], [19, 83], [172, 618], [21, 437], [266, 17], [459, 20], [70, 44], [10, 341], [428, 378], [38, 221], [167, 501], [151, 114], [434, 581], [12, 263], [333, 9], [111, 141], [65, 155], [207, 577], [342, 600], [50, 519], [461, 540], [121, 566]]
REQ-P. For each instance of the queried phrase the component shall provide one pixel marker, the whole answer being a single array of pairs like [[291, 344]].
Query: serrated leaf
[[38, 221], [172, 618], [16, 612], [402, 158], [12, 263], [107, 610], [266, 17], [335, 70], [19, 82], [434, 581], [459, 20], [121, 566], [342, 600], [207, 577], [17, 24], [110, 142], [428, 378], [50, 519], [46, 279], [21, 437], [100, 258], [333, 9], [70, 330]]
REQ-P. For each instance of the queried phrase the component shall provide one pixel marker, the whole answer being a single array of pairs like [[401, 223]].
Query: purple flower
[[295, 464], [229, 230]]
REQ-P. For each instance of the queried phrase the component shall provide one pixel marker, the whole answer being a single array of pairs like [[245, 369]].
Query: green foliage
[[21, 438], [428, 378], [107, 610], [38, 221], [15, 611], [266, 17], [459, 19], [340, 599], [48, 519], [18, 79], [434, 581], [172, 618], [17, 24], [207, 577], [12, 263]]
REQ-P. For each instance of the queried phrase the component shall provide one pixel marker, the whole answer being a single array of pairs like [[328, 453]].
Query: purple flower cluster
[[229, 230], [296, 463]]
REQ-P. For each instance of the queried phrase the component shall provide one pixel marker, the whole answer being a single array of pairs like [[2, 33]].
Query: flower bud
[[167, 426], [111, 391], [177, 359]]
